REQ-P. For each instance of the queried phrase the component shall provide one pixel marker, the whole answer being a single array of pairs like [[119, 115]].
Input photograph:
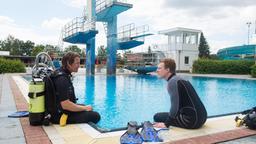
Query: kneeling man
[[187, 110]]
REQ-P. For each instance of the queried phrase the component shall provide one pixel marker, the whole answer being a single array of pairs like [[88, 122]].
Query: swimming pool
[[123, 98]]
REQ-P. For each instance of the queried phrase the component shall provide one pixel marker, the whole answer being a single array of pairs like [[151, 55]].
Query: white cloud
[[55, 23], [75, 3], [223, 22], [48, 33], [6, 20]]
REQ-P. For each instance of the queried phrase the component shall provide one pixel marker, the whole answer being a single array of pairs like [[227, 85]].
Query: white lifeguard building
[[182, 46]]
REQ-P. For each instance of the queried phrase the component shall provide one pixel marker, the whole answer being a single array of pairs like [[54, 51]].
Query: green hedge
[[11, 66], [206, 66], [253, 71]]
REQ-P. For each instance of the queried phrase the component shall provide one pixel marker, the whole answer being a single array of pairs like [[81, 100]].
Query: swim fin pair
[[147, 134], [19, 114], [131, 136]]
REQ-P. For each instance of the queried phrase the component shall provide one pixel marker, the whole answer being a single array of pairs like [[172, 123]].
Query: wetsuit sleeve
[[62, 88], [172, 88]]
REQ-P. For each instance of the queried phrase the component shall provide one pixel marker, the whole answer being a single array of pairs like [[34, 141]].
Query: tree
[[125, 55], [149, 49], [203, 47], [83, 52], [26, 47], [16, 46], [0, 45], [12, 45], [102, 54], [37, 49], [74, 48]]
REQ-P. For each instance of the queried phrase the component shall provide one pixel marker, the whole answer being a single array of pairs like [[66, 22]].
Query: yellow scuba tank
[[36, 102]]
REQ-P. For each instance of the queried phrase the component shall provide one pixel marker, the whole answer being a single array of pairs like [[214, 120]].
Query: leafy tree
[[83, 52], [102, 53], [26, 47], [74, 48], [125, 55], [37, 49], [12, 45], [149, 49], [214, 57], [49, 47], [203, 47], [16, 46], [0, 45]]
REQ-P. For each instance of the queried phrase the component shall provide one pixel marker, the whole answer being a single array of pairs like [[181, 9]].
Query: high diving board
[[81, 37], [106, 10], [132, 42]]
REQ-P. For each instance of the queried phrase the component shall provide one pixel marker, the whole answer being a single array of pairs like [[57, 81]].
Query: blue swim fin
[[148, 133], [19, 114], [131, 136]]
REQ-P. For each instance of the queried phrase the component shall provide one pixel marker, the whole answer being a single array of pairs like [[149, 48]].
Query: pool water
[[124, 98]]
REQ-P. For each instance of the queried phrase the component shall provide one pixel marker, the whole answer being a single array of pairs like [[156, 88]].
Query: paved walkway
[[10, 128]]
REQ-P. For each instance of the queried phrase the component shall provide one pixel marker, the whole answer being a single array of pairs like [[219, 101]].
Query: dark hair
[[169, 64], [69, 58]]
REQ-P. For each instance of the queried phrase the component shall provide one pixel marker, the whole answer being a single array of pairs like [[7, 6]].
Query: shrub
[[11, 66], [206, 66], [253, 71]]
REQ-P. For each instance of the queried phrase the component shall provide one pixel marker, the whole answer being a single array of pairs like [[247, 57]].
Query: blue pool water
[[123, 98]]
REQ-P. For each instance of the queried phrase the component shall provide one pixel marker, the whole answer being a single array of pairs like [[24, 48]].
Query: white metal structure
[[4, 53], [182, 46]]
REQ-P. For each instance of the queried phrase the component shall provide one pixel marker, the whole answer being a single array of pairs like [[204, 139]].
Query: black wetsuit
[[187, 110], [65, 91]]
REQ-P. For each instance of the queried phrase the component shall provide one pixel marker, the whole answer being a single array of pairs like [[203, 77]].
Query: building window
[[186, 60]]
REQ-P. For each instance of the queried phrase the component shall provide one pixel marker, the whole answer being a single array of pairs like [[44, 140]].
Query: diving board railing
[[140, 32], [130, 32], [103, 4], [78, 24], [125, 32]]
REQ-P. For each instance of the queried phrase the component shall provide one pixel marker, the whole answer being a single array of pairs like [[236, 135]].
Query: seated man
[[55, 62], [65, 95], [187, 110]]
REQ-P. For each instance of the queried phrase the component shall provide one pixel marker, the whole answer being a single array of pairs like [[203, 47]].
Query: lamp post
[[248, 24], [254, 45]]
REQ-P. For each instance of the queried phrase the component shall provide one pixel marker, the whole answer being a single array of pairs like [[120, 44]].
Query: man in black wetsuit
[[65, 94], [187, 110]]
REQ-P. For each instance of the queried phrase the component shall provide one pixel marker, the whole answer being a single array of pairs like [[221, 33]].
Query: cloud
[[48, 33], [208, 3], [223, 22], [55, 23], [6, 20], [75, 3]]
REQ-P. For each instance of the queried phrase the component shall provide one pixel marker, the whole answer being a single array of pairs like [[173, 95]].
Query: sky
[[223, 22]]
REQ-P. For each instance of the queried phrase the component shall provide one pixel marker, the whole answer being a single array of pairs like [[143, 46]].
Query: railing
[[141, 30], [125, 33], [78, 24], [103, 4]]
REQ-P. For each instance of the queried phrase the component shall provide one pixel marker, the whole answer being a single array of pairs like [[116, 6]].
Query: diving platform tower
[[106, 12], [83, 31]]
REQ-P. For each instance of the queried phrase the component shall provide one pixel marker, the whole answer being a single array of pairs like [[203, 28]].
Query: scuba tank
[[36, 102], [36, 94]]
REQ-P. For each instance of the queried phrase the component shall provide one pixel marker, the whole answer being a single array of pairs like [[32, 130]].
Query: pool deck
[[13, 97]]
